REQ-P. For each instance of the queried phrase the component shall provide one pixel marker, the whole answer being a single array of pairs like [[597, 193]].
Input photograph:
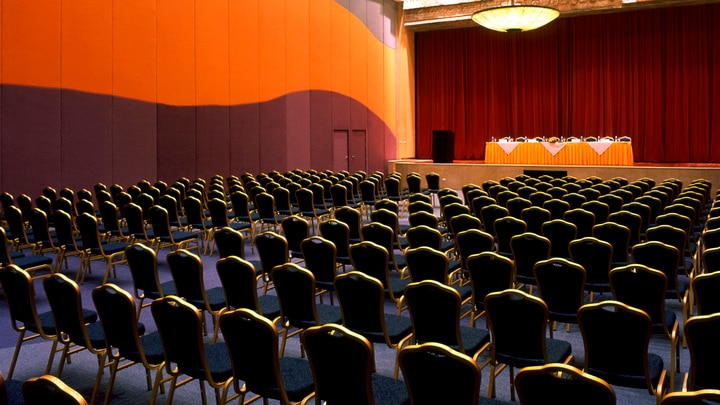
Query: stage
[[455, 175]]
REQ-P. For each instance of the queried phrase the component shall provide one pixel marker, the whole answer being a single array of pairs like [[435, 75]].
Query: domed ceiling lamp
[[515, 17]]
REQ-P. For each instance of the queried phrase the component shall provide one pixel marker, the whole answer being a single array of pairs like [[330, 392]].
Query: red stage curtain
[[652, 74]]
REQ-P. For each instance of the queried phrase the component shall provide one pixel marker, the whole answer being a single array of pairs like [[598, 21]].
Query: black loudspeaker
[[443, 146]]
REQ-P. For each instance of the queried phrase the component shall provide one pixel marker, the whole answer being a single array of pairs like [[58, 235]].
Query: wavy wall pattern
[[169, 88]]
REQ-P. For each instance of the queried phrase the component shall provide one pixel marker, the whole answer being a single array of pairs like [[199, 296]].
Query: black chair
[[338, 233], [113, 253], [362, 303], [125, 340], [560, 233], [562, 384], [308, 209], [320, 258], [11, 391], [138, 229], [296, 229], [699, 397], [186, 270], [702, 332], [342, 363], [423, 235], [595, 256], [143, 265], [239, 280], [435, 314], [561, 284], [528, 248], [599, 209], [48, 389], [618, 236], [616, 338], [295, 288], [252, 343], [372, 259], [427, 263], [705, 289], [179, 324], [517, 327], [353, 219], [384, 236], [31, 264], [437, 374], [584, 221], [273, 251], [504, 229], [19, 293], [489, 272], [219, 216], [65, 302], [166, 237]]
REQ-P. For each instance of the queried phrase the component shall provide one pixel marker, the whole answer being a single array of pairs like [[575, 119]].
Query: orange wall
[[240, 77]]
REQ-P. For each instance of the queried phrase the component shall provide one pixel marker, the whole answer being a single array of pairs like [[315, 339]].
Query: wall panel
[[86, 152]]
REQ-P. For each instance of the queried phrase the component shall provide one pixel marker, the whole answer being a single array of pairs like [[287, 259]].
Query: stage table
[[601, 153]]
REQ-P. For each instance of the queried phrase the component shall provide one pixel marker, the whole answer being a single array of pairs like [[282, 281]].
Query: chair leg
[[111, 381]]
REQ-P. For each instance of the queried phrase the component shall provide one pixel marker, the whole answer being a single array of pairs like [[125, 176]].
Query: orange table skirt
[[569, 153]]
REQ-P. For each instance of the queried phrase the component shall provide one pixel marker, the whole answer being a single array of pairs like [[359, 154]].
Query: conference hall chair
[[72, 332], [143, 264], [517, 323], [437, 374], [362, 300], [48, 389], [295, 288], [562, 384], [257, 367], [179, 324], [125, 339], [343, 366], [616, 337]]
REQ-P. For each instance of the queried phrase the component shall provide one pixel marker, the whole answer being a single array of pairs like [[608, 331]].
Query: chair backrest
[[252, 343], [194, 212], [371, 259], [118, 317], [295, 288], [516, 321], [702, 332], [186, 270], [616, 235], [437, 374], [505, 228], [616, 338], [551, 383], [338, 233], [48, 389], [423, 235], [218, 212], [65, 302], [705, 288], [560, 233], [534, 217], [489, 272], [659, 256], [295, 229], [529, 248], [320, 258], [239, 283], [109, 214], [88, 227], [19, 293], [641, 287], [362, 300], [229, 242], [595, 256], [272, 249], [143, 265], [699, 397], [435, 313], [427, 263], [561, 284], [160, 221], [342, 363], [352, 218], [179, 324]]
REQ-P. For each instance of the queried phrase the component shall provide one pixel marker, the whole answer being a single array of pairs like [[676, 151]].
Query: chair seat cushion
[[655, 368], [389, 391], [32, 261], [298, 378], [398, 327], [473, 339], [269, 306]]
